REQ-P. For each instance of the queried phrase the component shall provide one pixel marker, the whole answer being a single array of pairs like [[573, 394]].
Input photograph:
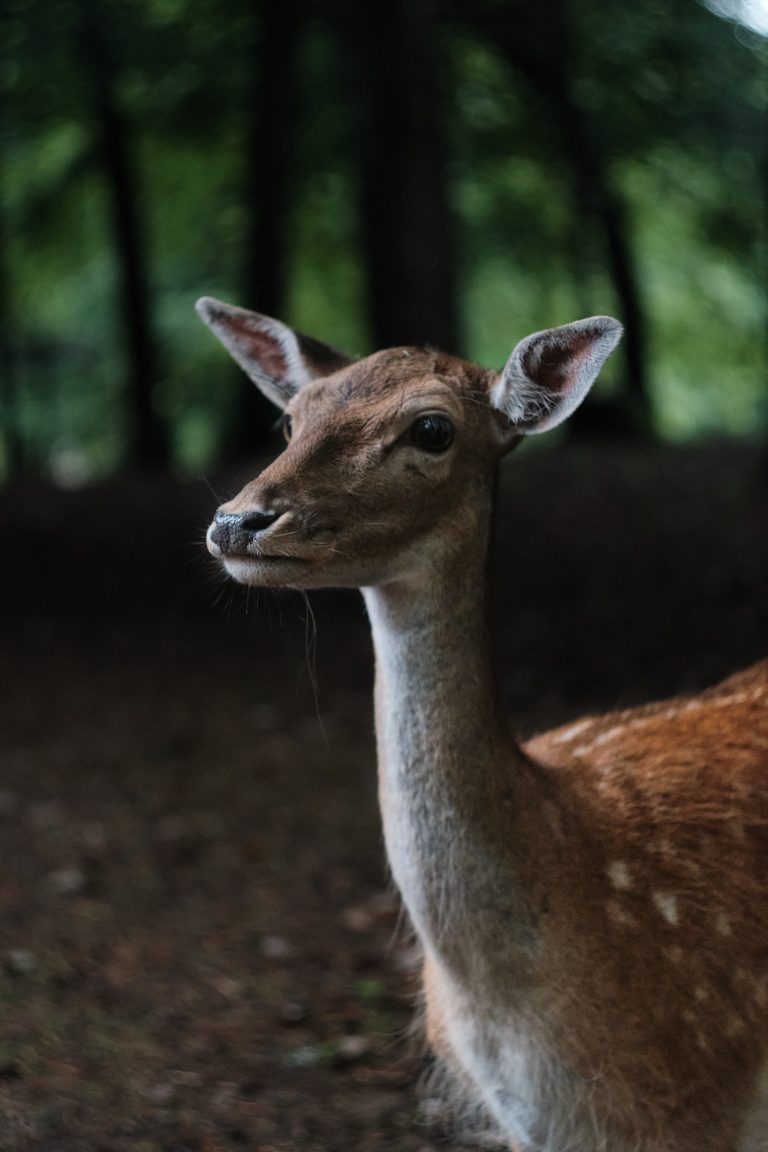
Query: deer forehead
[[390, 388]]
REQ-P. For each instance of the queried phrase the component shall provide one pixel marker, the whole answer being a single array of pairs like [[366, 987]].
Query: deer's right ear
[[549, 373], [277, 359]]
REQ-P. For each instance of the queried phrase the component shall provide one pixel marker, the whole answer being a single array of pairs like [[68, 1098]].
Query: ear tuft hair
[[277, 359], [549, 373]]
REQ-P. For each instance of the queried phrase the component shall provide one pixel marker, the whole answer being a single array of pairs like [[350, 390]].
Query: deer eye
[[432, 433], [287, 425]]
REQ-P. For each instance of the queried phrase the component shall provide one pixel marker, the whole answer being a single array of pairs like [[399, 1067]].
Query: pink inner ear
[[260, 345], [554, 365]]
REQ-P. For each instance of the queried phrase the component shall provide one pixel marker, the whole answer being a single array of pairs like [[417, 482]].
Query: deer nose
[[256, 522], [234, 531]]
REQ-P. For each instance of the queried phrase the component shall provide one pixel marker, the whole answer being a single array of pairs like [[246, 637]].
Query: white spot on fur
[[572, 732], [606, 737], [632, 723], [701, 993], [722, 924], [619, 876], [612, 734], [667, 905], [725, 701]]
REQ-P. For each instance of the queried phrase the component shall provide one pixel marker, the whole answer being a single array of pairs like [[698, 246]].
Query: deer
[[591, 904]]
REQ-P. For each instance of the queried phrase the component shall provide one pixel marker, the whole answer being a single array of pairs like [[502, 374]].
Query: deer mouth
[[259, 558], [268, 571]]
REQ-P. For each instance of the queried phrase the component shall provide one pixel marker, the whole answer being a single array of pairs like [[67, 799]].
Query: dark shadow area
[[200, 951]]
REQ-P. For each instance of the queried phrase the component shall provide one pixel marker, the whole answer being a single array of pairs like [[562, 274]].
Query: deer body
[[570, 886], [592, 906]]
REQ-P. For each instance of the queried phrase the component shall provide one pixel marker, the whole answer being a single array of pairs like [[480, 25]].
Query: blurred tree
[[148, 440], [272, 112], [611, 90], [541, 43], [12, 445], [488, 167], [405, 208]]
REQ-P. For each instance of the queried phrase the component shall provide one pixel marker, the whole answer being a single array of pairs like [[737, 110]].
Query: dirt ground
[[199, 948]]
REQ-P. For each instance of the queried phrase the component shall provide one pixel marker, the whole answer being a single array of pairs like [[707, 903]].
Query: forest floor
[[199, 947]]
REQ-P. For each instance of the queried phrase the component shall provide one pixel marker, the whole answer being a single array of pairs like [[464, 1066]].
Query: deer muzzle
[[235, 533]]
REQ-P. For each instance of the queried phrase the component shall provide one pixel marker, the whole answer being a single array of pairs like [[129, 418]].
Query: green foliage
[[675, 96], [676, 99], [710, 311]]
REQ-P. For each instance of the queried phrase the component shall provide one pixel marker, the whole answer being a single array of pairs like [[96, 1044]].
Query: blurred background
[[459, 174], [198, 942]]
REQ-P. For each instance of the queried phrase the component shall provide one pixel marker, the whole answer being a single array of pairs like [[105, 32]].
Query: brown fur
[[593, 906]]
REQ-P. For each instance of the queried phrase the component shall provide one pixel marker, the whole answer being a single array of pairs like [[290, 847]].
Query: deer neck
[[445, 761]]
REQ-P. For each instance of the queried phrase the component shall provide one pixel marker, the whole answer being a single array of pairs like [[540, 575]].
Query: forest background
[[458, 174]]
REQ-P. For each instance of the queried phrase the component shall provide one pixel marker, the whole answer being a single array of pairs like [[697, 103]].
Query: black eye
[[432, 433], [287, 424]]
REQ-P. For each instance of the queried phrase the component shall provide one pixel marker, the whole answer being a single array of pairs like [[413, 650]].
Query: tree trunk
[[538, 41], [627, 286], [269, 177], [595, 198], [763, 276], [148, 438], [405, 210], [9, 416]]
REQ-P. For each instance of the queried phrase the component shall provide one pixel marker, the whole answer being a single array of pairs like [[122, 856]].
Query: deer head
[[388, 458]]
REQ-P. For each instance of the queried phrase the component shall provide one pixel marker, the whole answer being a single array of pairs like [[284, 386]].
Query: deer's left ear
[[277, 359], [549, 373]]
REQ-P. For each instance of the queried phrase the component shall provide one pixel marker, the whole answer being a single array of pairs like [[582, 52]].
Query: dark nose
[[233, 532]]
